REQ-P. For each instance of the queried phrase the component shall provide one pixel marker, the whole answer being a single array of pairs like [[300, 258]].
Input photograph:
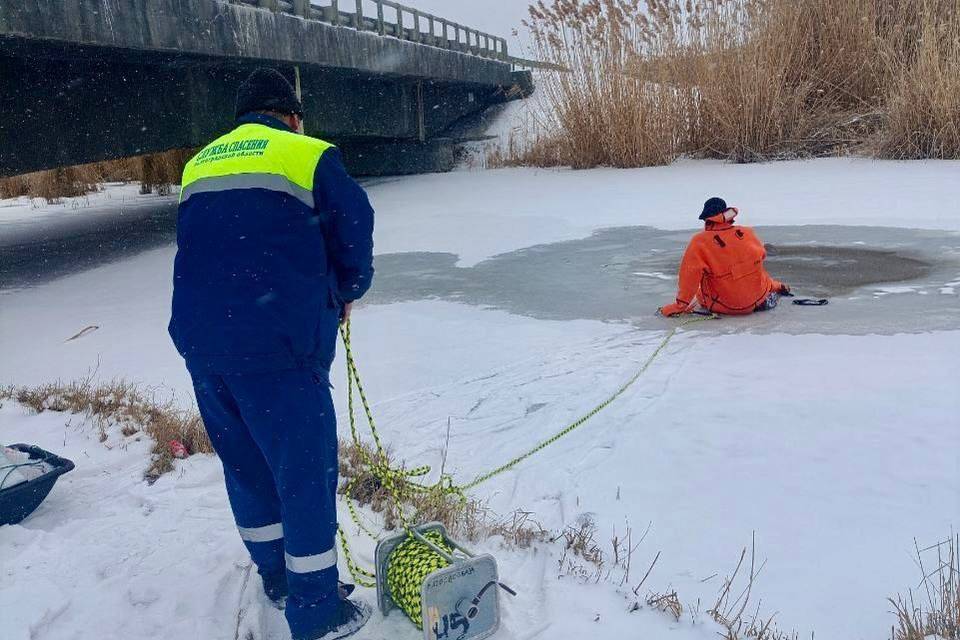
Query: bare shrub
[[935, 611], [580, 539], [668, 603], [584, 558]]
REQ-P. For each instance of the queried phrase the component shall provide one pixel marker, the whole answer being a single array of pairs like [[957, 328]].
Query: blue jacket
[[264, 265]]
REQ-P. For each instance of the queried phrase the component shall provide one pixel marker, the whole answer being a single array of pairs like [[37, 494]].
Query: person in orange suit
[[722, 268]]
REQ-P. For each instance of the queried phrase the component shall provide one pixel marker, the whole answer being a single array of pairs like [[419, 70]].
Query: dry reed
[[649, 81], [156, 173], [733, 609], [935, 611], [922, 115]]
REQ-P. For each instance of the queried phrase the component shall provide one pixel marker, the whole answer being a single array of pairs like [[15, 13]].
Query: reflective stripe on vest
[[269, 181], [255, 156]]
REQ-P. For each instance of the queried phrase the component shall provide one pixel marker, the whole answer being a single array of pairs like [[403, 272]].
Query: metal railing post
[[462, 39]]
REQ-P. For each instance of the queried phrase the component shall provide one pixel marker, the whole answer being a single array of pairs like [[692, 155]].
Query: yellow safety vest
[[256, 156]]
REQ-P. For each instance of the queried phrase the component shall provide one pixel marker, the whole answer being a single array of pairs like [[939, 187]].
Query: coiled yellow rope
[[410, 564]]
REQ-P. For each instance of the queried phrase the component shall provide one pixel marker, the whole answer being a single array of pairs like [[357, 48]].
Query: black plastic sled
[[19, 501]]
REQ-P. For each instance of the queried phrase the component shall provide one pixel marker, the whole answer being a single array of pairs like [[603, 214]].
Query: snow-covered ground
[[836, 450], [24, 215]]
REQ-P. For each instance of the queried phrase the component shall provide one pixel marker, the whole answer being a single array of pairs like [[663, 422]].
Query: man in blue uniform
[[275, 243]]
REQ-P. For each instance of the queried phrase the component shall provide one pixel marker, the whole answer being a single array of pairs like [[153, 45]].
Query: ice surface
[[479, 214]]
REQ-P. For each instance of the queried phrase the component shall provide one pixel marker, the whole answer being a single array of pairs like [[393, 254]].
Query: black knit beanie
[[267, 90]]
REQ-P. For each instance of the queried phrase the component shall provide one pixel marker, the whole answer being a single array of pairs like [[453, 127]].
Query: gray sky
[[498, 17]]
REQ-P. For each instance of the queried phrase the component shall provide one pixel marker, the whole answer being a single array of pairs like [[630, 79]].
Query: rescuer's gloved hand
[[784, 289], [672, 309]]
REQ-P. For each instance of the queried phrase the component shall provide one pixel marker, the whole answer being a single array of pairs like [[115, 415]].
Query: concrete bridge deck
[[88, 80]]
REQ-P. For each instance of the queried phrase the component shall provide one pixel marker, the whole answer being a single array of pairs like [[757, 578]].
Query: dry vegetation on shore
[[155, 172], [649, 81], [120, 408]]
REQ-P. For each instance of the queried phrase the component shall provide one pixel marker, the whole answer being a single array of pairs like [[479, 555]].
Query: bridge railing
[[388, 18]]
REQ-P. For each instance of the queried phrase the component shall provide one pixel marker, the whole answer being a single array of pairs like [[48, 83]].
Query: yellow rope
[[398, 482], [414, 560], [584, 418], [410, 564]]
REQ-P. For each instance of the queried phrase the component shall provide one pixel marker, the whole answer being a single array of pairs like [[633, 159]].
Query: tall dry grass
[[468, 519], [156, 173], [649, 81], [122, 407], [603, 110], [934, 610], [922, 98], [52, 185]]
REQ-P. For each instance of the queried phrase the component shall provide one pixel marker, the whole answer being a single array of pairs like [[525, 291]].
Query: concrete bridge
[[89, 80]]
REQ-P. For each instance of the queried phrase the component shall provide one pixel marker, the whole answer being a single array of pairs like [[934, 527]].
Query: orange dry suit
[[722, 269]]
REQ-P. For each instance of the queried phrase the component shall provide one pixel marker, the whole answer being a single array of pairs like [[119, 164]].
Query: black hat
[[712, 207], [267, 90]]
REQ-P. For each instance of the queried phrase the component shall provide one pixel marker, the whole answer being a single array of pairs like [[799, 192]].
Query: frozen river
[[878, 278]]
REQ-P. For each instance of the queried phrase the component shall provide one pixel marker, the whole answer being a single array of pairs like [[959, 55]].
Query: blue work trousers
[[276, 434]]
